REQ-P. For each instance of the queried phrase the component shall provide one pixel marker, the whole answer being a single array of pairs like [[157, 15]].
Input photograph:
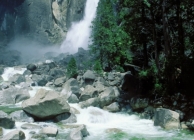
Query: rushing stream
[[103, 125]]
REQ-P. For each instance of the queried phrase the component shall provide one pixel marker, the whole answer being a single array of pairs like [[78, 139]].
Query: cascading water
[[101, 125], [78, 35]]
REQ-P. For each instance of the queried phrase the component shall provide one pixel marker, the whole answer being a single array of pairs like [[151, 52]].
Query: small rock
[[49, 131], [15, 135]]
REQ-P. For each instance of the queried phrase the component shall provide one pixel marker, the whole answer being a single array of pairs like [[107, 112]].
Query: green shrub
[[72, 71], [98, 67]]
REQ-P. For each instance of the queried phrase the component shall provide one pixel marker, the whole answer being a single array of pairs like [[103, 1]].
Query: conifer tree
[[72, 71]]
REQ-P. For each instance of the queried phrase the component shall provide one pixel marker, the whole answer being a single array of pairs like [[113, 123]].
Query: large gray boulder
[[41, 80], [89, 77], [46, 104], [17, 78], [13, 95], [6, 121], [87, 93], [107, 97], [15, 135], [72, 86], [166, 118]]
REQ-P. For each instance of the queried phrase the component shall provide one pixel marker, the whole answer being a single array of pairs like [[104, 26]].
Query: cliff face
[[45, 21]]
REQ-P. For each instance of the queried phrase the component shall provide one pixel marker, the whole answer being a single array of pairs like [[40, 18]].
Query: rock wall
[[45, 21]]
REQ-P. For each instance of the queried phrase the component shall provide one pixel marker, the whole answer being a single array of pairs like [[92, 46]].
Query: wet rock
[[6, 121], [13, 95], [166, 118], [111, 76], [88, 92], [41, 80], [46, 104], [107, 97], [89, 77], [78, 133], [138, 103], [72, 86], [30, 126], [21, 116], [66, 118], [59, 81], [99, 87], [57, 73], [49, 131], [74, 110], [27, 72], [17, 78], [113, 130], [190, 125], [73, 99], [102, 81], [75, 134], [89, 102], [39, 137], [31, 67], [183, 125], [114, 107], [15, 135]]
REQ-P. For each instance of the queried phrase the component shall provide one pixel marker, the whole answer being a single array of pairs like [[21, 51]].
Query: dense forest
[[153, 36]]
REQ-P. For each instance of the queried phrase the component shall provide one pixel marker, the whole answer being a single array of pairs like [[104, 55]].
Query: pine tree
[[72, 71], [110, 42], [98, 67]]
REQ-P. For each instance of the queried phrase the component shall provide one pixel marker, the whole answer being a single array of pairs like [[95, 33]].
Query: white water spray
[[78, 35]]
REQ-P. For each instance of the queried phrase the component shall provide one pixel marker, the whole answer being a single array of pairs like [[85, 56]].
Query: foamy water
[[10, 71], [79, 33]]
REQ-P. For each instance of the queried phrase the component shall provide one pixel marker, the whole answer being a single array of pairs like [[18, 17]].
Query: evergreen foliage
[[98, 68], [157, 33], [72, 71], [110, 42]]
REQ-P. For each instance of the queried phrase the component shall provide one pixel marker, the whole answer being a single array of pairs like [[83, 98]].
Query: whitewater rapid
[[104, 125]]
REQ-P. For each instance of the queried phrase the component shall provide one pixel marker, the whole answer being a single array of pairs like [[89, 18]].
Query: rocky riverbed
[[38, 101]]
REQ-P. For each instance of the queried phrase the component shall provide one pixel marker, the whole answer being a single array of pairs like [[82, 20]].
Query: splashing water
[[78, 35]]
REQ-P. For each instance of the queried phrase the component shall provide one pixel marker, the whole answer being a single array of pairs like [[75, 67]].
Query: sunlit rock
[[114, 107], [46, 104], [72, 86], [13, 95], [49, 131], [88, 92], [107, 97], [166, 118], [15, 135], [89, 102]]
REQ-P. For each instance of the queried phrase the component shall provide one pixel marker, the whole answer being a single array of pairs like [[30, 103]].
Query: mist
[[32, 51]]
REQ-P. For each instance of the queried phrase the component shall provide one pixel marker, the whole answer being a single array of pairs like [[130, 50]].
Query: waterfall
[[79, 33]]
